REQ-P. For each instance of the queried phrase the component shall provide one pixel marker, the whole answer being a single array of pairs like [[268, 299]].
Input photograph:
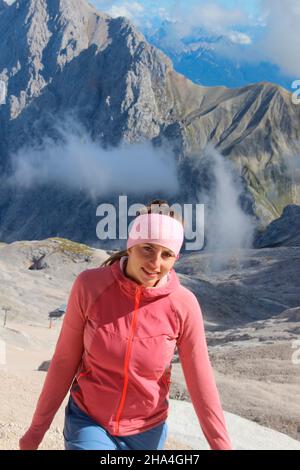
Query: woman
[[116, 344]]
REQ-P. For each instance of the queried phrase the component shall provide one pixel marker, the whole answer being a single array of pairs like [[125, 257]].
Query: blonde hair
[[159, 206]]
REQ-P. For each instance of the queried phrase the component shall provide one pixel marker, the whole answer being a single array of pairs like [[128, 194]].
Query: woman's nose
[[155, 259]]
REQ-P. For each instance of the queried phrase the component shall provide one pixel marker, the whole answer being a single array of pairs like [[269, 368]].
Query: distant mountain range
[[201, 58], [61, 56]]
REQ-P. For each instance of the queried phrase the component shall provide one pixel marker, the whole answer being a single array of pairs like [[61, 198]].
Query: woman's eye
[[149, 249]]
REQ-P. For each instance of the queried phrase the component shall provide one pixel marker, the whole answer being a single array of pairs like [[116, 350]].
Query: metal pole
[[5, 316]]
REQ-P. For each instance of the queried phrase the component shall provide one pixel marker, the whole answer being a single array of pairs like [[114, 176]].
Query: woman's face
[[148, 263]]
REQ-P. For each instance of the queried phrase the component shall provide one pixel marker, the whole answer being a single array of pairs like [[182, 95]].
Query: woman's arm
[[200, 381], [63, 367]]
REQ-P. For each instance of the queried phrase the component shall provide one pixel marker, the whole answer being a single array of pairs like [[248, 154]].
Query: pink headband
[[156, 228]]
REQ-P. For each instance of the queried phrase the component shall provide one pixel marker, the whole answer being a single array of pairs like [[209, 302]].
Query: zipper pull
[[138, 293]]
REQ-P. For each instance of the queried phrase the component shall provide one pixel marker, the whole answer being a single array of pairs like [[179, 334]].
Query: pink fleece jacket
[[115, 349]]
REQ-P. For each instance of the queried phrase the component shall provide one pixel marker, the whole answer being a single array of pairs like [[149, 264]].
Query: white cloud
[[281, 43], [227, 227], [239, 38], [131, 10], [80, 163], [214, 17], [163, 13], [201, 13], [277, 23], [208, 16]]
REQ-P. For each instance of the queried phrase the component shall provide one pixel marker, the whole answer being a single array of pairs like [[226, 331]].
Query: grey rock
[[291, 315], [268, 290], [38, 263], [284, 231], [44, 366]]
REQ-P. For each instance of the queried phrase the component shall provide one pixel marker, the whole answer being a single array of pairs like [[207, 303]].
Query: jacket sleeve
[[200, 381], [63, 367]]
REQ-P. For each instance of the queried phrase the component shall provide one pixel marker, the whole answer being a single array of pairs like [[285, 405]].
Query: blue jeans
[[83, 433]]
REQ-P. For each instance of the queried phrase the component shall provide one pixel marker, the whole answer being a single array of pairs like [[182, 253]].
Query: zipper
[[82, 374], [127, 358]]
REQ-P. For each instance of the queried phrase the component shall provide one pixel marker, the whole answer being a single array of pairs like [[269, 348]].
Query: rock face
[[63, 56], [248, 286], [69, 56], [284, 231]]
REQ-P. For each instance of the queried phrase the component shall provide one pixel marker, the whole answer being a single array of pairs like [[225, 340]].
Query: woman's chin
[[150, 283]]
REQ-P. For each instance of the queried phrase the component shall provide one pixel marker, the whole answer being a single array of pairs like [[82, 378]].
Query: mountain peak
[[48, 43], [70, 9], [42, 36]]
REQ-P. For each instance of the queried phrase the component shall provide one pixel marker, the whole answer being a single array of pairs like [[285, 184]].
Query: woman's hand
[[30, 440]]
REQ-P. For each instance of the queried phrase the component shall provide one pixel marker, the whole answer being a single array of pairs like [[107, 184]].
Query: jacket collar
[[166, 285]]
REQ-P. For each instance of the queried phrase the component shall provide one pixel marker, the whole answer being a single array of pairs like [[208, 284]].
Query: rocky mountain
[[284, 231], [252, 285], [118, 76], [63, 56]]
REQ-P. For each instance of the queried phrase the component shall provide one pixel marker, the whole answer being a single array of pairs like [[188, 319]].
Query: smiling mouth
[[149, 274]]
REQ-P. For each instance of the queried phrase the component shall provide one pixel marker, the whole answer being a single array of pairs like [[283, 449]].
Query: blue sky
[[151, 7], [270, 28], [252, 7]]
